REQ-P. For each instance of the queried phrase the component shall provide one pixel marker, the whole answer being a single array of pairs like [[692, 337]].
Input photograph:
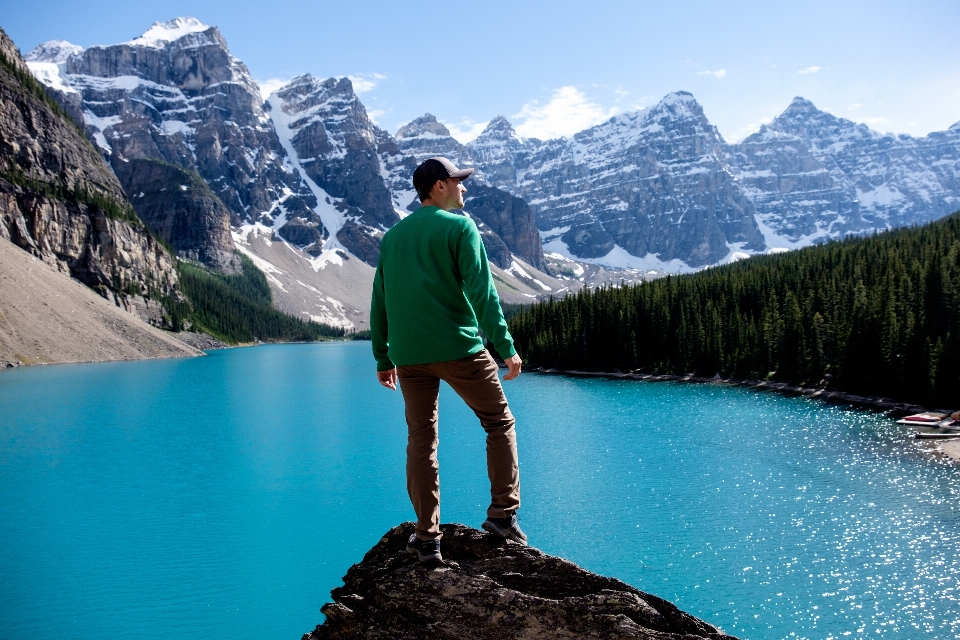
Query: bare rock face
[[175, 93], [60, 201], [425, 138], [510, 218], [650, 182], [814, 176], [335, 144], [178, 205], [489, 588]]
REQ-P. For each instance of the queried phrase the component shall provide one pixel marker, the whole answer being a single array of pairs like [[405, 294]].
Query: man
[[432, 292]]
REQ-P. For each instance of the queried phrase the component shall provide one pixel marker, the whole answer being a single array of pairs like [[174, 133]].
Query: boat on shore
[[936, 436], [929, 419]]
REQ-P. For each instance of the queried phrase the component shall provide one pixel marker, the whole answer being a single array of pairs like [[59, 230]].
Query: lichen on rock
[[490, 588]]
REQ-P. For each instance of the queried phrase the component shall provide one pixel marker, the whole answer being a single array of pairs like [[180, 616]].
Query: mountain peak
[[55, 51], [160, 33], [800, 105], [679, 104], [499, 124], [425, 124], [955, 126]]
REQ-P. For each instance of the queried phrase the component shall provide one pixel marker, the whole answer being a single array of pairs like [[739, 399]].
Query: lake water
[[226, 495]]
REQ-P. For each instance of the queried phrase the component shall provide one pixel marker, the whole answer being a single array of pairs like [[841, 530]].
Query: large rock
[[509, 217], [490, 588]]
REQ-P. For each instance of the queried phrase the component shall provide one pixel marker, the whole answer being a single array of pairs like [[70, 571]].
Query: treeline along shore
[[874, 316]]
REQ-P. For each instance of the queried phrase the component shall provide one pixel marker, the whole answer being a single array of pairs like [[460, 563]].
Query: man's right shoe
[[507, 528], [426, 550]]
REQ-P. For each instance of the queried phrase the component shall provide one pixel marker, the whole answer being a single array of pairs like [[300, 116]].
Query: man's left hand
[[513, 364], [388, 378]]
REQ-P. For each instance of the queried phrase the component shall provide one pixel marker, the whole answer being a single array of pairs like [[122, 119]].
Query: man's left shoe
[[508, 528], [427, 551]]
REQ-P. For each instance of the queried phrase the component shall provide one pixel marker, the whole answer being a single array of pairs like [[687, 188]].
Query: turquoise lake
[[225, 496]]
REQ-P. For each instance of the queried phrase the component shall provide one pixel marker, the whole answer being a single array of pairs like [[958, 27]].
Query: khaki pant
[[475, 380]]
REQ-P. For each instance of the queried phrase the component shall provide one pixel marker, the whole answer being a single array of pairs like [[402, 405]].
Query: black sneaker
[[426, 550], [508, 528]]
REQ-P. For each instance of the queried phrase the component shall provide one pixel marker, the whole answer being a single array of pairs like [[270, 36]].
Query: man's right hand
[[513, 364], [388, 378]]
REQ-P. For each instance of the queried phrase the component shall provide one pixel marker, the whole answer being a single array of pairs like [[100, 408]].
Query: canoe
[[940, 422], [936, 436], [923, 418]]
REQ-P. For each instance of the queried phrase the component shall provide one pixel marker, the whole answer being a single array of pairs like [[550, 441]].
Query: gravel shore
[[47, 317]]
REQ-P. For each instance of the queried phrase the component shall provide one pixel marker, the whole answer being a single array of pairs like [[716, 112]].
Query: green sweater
[[432, 291]]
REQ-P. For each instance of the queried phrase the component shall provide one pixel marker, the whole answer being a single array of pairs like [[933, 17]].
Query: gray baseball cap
[[433, 169]]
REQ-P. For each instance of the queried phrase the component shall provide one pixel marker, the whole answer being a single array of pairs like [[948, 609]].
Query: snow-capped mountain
[[814, 176], [329, 138], [176, 94], [661, 188], [425, 138], [646, 189], [309, 183]]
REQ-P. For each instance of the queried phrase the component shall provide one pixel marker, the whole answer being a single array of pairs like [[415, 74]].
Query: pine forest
[[876, 315]]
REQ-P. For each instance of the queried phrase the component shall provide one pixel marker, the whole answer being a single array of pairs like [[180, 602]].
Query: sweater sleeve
[[480, 290], [378, 322]]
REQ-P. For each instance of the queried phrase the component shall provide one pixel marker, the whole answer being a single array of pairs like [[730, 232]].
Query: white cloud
[[854, 106], [747, 131], [874, 120], [568, 112], [719, 73], [809, 70], [267, 87], [363, 84], [466, 131], [374, 114]]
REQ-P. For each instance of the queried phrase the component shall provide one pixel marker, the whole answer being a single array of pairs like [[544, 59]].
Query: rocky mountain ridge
[[660, 187], [306, 168], [655, 191]]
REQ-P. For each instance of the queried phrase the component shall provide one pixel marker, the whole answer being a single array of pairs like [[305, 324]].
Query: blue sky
[[554, 68]]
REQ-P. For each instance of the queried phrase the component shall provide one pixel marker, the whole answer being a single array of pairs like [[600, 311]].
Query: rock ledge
[[489, 588]]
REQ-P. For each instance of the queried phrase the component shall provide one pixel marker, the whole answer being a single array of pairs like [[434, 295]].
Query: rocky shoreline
[[950, 449], [491, 588]]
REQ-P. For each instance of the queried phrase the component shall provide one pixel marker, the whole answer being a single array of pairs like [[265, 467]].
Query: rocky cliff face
[[509, 218], [333, 141], [489, 588], [176, 94], [814, 176], [425, 138], [650, 184], [60, 201], [661, 188], [178, 206]]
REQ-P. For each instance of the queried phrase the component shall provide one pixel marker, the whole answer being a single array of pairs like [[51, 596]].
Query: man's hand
[[388, 378], [513, 364]]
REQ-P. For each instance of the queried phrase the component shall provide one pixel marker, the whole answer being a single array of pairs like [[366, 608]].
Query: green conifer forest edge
[[878, 316]]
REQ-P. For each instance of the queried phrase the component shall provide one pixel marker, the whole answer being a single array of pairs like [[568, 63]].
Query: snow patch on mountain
[[161, 33], [332, 219], [54, 51]]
